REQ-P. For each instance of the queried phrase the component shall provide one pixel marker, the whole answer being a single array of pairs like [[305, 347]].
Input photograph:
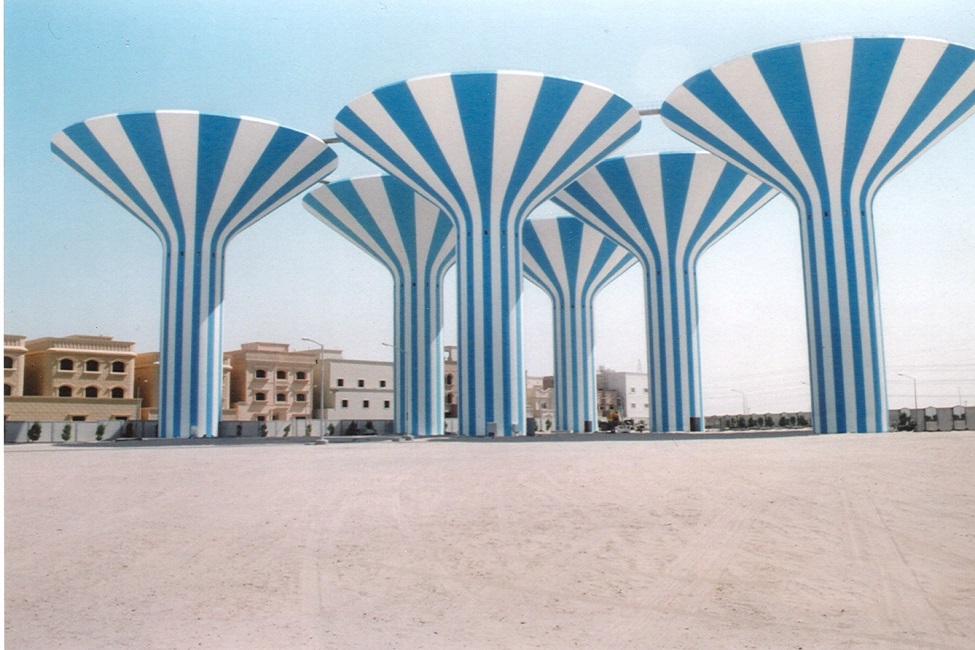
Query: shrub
[[307, 430], [66, 432], [287, 430], [331, 428], [100, 432], [263, 429], [34, 433]]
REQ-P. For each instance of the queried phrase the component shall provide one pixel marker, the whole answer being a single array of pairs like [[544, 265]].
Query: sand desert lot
[[836, 541]]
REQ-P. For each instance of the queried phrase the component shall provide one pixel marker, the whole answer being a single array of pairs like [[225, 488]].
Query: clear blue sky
[[75, 262]]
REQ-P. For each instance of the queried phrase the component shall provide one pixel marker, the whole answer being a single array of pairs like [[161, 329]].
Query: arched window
[[91, 391], [260, 397], [449, 380], [7, 390], [300, 397], [64, 391], [280, 397], [299, 375], [118, 366], [260, 373], [118, 393], [8, 362], [66, 364], [450, 398], [91, 365], [281, 374]]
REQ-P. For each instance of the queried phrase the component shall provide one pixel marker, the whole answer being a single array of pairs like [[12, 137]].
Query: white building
[[632, 392]]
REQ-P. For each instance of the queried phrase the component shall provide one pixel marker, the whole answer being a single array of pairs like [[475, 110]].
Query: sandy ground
[[842, 541]]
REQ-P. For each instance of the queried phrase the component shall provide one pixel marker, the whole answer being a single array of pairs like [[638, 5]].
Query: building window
[[365, 403], [300, 375], [91, 365], [64, 391], [280, 397], [91, 391], [281, 374], [632, 405], [386, 404], [382, 383], [260, 418], [632, 389], [449, 380], [118, 393], [300, 397], [340, 382], [260, 373], [644, 390], [7, 390], [118, 366], [362, 383], [345, 403], [260, 397], [450, 398], [66, 364], [8, 362]]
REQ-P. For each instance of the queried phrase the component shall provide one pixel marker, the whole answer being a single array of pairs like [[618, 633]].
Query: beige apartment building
[[78, 377], [269, 381], [13, 364], [450, 381]]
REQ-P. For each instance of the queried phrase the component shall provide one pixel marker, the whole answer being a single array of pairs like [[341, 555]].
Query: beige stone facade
[[269, 381], [79, 377], [540, 402], [93, 367], [13, 364], [450, 381]]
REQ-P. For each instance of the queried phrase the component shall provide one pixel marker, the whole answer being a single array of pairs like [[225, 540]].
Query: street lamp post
[[321, 384], [900, 374], [744, 402]]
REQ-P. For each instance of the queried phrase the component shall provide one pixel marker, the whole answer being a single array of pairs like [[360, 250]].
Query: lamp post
[[321, 384], [900, 374], [744, 402], [404, 402]]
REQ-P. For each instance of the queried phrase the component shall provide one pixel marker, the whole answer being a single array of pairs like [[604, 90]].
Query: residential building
[[631, 388], [357, 389], [269, 381], [13, 364], [540, 402], [78, 377], [450, 381]]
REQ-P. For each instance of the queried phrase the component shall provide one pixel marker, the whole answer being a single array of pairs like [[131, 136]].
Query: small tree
[[34, 433], [307, 430], [783, 421], [369, 427], [352, 430], [331, 428], [263, 430], [287, 430], [66, 432], [240, 430], [548, 425], [100, 432]]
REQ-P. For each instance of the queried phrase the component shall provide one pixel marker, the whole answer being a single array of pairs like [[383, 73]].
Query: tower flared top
[[388, 220], [826, 121], [570, 260], [665, 208], [487, 146], [189, 174]]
